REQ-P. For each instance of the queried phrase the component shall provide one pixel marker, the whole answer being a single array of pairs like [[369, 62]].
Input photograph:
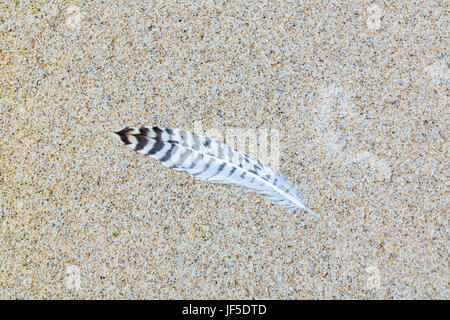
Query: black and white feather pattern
[[212, 161]]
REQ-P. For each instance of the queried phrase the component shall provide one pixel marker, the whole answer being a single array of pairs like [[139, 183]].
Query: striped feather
[[212, 161]]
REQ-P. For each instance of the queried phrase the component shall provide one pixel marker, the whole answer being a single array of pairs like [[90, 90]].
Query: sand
[[358, 92]]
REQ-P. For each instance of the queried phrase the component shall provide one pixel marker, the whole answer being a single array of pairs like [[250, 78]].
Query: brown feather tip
[[123, 134]]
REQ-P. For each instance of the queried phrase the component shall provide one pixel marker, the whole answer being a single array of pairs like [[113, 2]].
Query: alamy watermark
[[374, 16], [73, 17], [261, 144], [373, 277], [335, 106], [73, 277]]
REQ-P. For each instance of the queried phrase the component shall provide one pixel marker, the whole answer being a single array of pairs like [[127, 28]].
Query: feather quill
[[212, 161]]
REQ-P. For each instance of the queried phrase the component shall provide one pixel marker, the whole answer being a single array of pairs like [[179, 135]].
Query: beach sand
[[357, 91]]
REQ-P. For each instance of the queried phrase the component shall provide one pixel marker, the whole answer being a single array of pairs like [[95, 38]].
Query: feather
[[212, 161]]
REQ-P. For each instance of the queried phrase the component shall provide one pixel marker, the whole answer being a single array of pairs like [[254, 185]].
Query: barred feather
[[212, 161]]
